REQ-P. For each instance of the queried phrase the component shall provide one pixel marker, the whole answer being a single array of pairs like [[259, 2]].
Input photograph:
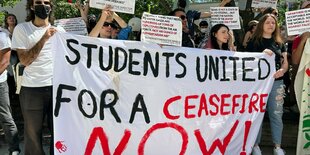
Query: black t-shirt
[[186, 40], [268, 44]]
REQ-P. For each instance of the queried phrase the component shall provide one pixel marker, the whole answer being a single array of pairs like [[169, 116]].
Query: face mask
[[42, 11], [204, 30]]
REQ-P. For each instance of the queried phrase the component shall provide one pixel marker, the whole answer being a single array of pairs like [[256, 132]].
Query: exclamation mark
[[246, 133]]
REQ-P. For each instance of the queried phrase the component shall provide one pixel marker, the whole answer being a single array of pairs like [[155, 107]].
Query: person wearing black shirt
[[267, 39]]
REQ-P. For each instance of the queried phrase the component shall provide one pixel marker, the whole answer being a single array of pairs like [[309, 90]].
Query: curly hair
[[31, 15]]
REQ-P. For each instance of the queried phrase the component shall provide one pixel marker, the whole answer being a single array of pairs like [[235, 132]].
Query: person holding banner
[[221, 37], [267, 39], [297, 51], [31, 41], [187, 40], [6, 118]]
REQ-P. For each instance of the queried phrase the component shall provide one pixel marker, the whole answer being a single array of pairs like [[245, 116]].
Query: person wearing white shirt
[[31, 40], [6, 119]]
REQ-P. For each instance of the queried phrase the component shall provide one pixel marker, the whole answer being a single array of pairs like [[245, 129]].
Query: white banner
[[73, 25], [302, 91], [124, 6], [127, 97], [226, 15], [297, 21], [264, 3], [161, 29]]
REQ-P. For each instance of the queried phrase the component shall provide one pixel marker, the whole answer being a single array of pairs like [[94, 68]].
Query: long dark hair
[[31, 15], [258, 34], [214, 43], [6, 24]]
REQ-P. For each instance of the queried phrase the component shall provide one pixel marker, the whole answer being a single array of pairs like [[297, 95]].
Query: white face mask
[[204, 30]]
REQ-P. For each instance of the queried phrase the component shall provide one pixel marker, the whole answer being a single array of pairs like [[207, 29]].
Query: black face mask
[[42, 11]]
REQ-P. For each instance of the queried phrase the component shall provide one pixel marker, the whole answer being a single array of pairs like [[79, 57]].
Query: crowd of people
[[28, 43]]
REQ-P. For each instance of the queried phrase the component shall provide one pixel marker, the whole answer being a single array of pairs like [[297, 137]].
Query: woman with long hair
[[221, 37], [267, 38]]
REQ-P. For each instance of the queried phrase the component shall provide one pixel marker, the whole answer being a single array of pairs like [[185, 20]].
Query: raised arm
[[83, 10], [26, 57], [105, 14], [119, 20], [224, 2], [205, 15]]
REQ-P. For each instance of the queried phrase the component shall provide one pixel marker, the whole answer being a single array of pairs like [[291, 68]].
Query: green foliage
[[66, 10], [2, 16], [10, 3], [63, 9], [4, 3], [283, 7]]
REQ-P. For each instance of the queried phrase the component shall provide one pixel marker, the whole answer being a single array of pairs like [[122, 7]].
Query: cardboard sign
[[127, 97], [73, 25], [124, 6], [297, 21], [225, 15], [161, 29], [264, 3]]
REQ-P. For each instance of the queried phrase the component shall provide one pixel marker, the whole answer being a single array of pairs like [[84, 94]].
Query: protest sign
[[127, 97], [297, 21], [225, 15], [124, 6], [73, 25], [161, 29], [264, 3]]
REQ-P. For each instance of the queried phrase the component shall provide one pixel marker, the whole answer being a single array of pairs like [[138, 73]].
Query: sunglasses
[[183, 17], [106, 24], [42, 2]]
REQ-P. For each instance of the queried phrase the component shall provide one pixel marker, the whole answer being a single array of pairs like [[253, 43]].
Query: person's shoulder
[[4, 33], [22, 25]]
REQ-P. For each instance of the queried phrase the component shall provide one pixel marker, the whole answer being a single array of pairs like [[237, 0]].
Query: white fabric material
[[81, 92], [39, 73], [302, 91], [5, 43]]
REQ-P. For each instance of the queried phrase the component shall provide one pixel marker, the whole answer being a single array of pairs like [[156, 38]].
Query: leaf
[[307, 136]]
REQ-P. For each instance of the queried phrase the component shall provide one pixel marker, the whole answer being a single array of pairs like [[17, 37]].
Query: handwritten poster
[[297, 21], [73, 25], [226, 15], [161, 29], [264, 3], [124, 6]]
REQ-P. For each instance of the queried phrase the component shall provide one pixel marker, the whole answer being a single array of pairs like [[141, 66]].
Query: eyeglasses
[[183, 17], [42, 2], [106, 24]]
